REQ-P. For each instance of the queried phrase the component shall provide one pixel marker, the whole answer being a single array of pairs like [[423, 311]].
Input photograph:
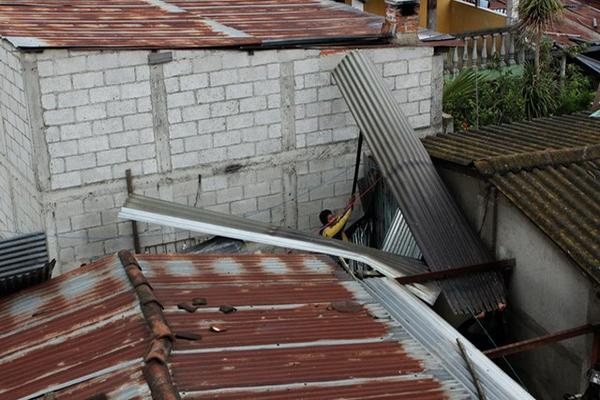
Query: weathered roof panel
[[277, 344], [70, 330], [549, 168], [177, 23], [438, 225]]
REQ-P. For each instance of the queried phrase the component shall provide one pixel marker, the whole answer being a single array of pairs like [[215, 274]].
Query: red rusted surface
[[296, 365], [420, 389], [82, 324], [262, 327], [92, 334], [127, 383], [178, 24], [578, 22]]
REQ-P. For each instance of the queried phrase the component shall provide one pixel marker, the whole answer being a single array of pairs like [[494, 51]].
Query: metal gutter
[[439, 338], [438, 225], [145, 209]]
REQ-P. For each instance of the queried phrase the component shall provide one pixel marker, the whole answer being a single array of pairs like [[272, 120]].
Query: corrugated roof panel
[[23, 262], [542, 134], [338, 340], [549, 168], [285, 336], [177, 24], [438, 225], [70, 330]]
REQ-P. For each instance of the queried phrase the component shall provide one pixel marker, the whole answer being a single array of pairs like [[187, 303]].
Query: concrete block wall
[[265, 135], [19, 200]]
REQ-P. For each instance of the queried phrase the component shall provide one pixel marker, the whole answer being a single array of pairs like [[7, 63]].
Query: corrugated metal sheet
[[286, 339], [553, 133], [162, 212], [23, 262], [178, 24], [577, 23], [553, 176], [440, 229], [73, 335], [399, 240], [439, 338], [302, 329]]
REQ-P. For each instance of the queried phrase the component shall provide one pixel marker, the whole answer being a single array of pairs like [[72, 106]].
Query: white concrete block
[[395, 68], [208, 63], [238, 91], [88, 80], [118, 108], [227, 138], [93, 144], [123, 139], [195, 81], [48, 102], [407, 81], [254, 103], [79, 162], [195, 113], [180, 99], [420, 93], [106, 93], [135, 90], [266, 87], [102, 61], [241, 151], [137, 121], [226, 77], [229, 195], [253, 74], [182, 130], [97, 174], [91, 112], [177, 68], [110, 157], [140, 152], [195, 143], [59, 117], [224, 108], [69, 65], [62, 149], [119, 75], [240, 121], [267, 117], [55, 84], [84, 221], [420, 65], [75, 131], [73, 98], [306, 66], [210, 95]]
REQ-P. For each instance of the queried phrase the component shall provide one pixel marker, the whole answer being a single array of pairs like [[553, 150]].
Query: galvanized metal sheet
[[145, 209], [440, 229], [439, 338], [23, 262]]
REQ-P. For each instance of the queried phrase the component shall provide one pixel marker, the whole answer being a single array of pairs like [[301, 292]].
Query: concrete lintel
[[208, 169]]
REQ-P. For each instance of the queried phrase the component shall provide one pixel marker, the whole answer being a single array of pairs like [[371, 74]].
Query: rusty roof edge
[[516, 162], [156, 372]]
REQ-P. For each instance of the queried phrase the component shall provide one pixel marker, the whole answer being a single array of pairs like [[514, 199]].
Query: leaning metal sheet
[[440, 229], [166, 213]]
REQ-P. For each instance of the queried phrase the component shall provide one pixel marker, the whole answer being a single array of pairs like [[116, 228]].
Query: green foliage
[[504, 95], [537, 15]]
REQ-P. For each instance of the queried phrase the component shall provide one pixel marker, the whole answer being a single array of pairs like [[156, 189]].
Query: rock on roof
[[549, 168]]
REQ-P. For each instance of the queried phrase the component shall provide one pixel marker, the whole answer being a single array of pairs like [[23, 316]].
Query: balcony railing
[[486, 48]]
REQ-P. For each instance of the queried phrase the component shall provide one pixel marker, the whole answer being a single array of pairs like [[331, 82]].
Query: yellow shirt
[[337, 227]]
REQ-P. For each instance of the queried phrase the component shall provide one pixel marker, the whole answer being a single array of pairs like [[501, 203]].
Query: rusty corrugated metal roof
[[549, 168], [178, 23], [84, 333], [302, 328], [65, 334], [578, 23], [285, 340]]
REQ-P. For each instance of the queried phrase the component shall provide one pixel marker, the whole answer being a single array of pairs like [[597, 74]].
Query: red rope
[[355, 199]]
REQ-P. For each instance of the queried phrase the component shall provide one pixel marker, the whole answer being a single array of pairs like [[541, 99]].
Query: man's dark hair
[[324, 215]]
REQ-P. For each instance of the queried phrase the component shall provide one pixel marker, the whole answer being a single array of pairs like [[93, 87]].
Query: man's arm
[[337, 226]]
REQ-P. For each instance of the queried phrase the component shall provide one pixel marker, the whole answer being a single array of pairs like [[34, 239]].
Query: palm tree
[[536, 16]]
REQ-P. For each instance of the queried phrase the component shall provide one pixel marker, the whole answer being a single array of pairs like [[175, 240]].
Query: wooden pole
[[134, 228], [452, 273], [357, 164], [530, 344]]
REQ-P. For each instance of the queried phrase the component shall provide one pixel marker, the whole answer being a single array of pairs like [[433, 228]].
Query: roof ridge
[[156, 372], [537, 159]]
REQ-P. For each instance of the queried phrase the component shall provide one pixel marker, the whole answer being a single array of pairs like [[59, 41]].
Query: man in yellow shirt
[[333, 226]]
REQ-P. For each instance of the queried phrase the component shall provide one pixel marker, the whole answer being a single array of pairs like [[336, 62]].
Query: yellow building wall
[[451, 16], [466, 17]]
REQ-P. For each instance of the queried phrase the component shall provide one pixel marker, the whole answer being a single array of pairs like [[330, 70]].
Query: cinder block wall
[[19, 198], [265, 135]]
